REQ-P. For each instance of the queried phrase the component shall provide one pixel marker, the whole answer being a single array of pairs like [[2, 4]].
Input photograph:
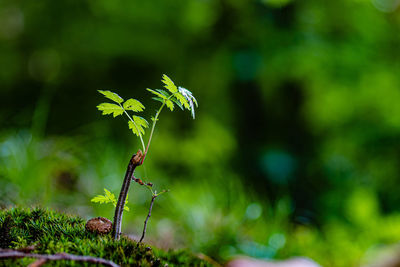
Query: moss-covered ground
[[49, 232]]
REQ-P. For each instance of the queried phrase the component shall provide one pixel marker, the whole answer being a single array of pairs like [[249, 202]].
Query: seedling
[[170, 97], [109, 197]]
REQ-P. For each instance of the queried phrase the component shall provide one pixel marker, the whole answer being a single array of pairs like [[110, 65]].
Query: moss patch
[[49, 232]]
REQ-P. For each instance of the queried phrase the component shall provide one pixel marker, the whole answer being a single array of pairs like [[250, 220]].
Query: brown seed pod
[[99, 225]]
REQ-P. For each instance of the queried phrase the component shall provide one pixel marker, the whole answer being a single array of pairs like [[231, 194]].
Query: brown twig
[[38, 263], [135, 161], [14, 254], [147, 218]]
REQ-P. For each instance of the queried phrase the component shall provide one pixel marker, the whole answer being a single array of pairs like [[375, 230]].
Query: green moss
[[51, 232]]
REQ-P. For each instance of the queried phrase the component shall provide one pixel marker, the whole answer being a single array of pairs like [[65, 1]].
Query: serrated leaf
[[108, 108], [140, 121], [107, 198], [182, 100], [110, 196], [113, 96], [158, 99], [170, 104], [189, 98], [169, 84], [99, 199], [137, 125], [163, 92], [126, 203], [173, 99], [134, 105], [156, 93], [136, 129], [195, 101]]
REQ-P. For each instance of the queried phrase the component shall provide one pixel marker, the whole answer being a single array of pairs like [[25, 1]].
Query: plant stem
[[153, 127], [135, 161], [12, 254], [147, 218], [154, 124]]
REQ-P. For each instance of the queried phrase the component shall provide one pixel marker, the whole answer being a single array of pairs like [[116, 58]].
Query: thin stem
[[147, 219], [153, 127], [154, 124], [130, 118], [13, 254]]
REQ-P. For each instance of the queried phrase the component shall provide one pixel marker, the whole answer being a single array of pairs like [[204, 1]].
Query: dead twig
[[135, 161], [14, 254], [38, 263], [154, 195], [147, 219]]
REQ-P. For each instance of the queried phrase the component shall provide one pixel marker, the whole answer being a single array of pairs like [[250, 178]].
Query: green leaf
[[134, 105], [99, 199], [109, 108], [107, 198], [195, 101], [173, 99], [110, 196], [126, 203], [170, 104], [157, 93], [169, 84], [183, 100], [158, 99], [137, 125], [163, 92], [113, 96], [136, 129], [189, 98], [140, 121]]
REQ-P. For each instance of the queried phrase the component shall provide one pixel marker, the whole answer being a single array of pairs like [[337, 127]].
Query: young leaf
[[109, 108], [99, 199], [182, 100], [134, 105], [158, 99], [169, 84], [170, 104], [173, 99], [157, 93], [136, 129], [163, 92], [190, 99], [126, 203], [110, 196], [167, 98], [140, 121], [113, 96]]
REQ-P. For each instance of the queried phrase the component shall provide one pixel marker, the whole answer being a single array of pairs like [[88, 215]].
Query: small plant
[[170, 97], [109, 197]]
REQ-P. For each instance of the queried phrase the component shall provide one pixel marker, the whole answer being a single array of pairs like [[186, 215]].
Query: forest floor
[[40, 231]]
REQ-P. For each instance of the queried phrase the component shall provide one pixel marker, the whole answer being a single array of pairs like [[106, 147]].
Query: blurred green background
[[295, 147]]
